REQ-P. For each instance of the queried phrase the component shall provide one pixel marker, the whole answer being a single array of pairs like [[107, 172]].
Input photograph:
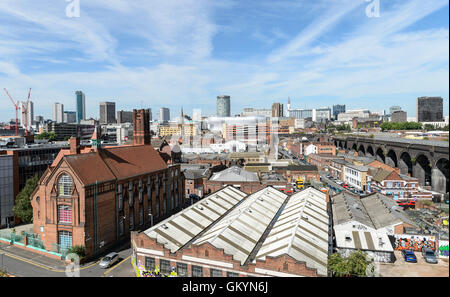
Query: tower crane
[[25, 111], [16, 105]]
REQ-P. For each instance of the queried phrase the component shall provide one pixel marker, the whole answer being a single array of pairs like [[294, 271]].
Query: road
[[22, 263]]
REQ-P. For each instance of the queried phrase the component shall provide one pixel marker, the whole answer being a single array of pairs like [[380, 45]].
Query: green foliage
[[354, 265], [23, 208], [344, 127], [401, 126], [50, 136], [430, 127], [79, 250], [371, 136], [427, 203], [3, 273]]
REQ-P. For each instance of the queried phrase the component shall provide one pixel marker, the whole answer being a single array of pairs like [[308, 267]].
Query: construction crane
[[25, 111], [16, 105]]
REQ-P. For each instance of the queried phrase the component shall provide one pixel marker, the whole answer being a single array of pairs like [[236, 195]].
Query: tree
[[354, 265], [50, 136], [23, 208]]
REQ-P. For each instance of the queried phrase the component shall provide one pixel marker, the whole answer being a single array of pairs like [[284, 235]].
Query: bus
[[299, 183]]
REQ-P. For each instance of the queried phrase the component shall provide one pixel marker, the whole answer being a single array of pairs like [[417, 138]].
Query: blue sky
[[158, 53]]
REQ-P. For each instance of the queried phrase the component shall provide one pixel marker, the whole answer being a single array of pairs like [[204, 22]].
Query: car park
[[409, 256]]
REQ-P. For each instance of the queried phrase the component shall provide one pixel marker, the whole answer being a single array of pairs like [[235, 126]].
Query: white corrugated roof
[[240, 231], [177, 230], [363, 240], [301, 231]]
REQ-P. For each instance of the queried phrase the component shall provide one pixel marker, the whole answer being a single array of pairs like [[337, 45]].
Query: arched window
[[65, 185]]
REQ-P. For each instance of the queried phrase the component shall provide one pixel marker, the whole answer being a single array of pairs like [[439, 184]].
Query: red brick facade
[[209, 257]]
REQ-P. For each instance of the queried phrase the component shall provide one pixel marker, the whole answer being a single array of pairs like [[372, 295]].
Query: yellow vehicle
[[299, 183]]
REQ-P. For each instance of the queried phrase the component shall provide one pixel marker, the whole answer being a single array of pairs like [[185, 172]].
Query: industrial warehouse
[[231, 233]]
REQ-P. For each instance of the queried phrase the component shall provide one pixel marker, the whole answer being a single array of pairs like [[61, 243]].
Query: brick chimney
[[141, 127], [74, 145]]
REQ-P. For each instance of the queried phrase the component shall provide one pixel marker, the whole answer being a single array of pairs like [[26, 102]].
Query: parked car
[[109, 260], [345, 186], [429, 256], [409, 256]]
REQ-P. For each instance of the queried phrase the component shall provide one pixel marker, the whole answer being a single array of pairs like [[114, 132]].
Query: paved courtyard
[[400, 268]]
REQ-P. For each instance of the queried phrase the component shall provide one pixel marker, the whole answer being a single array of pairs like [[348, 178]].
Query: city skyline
[[317, 53]]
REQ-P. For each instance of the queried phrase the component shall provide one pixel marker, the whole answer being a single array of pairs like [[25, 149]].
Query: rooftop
[[375, 211], [267, 223], [235, 173]]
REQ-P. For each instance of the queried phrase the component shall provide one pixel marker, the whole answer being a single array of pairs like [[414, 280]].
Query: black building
[[430, 109]]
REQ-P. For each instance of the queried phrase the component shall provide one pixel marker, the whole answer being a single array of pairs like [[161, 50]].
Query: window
[[39, 214], [149, 189], [64, 214], [120, 194], [232, 274], [141, 216], [65, 239], [130, 193], [197, 271], [165, 266], [121, 226], [131, 220], [182, 269], [216, 272], [149, 263], [65, 185]]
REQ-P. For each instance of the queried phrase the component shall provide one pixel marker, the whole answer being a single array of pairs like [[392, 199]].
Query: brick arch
[[58, 177], [369, 151], [361, 150], [391, 158]]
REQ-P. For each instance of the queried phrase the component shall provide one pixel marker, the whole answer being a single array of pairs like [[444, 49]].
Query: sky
[[168, 53]]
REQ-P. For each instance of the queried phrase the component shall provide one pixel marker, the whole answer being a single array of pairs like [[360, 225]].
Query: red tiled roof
[[115, 162]]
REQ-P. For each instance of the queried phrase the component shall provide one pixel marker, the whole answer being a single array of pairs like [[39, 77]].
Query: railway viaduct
[[424, 159]]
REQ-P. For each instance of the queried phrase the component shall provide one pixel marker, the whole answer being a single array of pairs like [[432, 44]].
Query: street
[[23, 263]]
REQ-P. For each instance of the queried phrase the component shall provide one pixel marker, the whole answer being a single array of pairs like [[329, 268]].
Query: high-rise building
[[58, 112], [321, 114], [81, 106], [393, 109], [277, 110], [107, 112], [70, 117], [164, 115], [399, 116], [223, 106], [337, 109], [197, 115], [141, 127], [430, 109], [124, 117], [28, 114], [288, 114]]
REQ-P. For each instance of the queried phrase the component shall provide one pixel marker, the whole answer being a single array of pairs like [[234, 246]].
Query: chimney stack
[[141, 127], [74, 145]]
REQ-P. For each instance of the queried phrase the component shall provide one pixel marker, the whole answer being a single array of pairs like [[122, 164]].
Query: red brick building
[[230, 233], [95, 198]]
